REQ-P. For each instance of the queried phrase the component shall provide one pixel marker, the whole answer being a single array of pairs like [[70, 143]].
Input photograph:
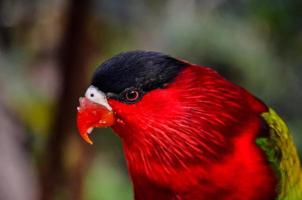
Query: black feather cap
[[141, 70]]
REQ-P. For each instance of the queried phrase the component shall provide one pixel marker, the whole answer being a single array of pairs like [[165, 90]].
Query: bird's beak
[[91, 115]]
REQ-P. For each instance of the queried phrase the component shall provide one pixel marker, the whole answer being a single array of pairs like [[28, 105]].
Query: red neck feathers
[[195, 139]]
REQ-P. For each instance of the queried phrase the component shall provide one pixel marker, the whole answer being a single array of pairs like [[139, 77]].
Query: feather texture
[[195, 139], [282, 154], [190, 134]]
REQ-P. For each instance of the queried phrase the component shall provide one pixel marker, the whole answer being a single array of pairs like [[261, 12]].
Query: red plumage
[[195, 139]]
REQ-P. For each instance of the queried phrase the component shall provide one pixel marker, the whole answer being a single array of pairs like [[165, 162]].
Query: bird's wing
[[283, 156]]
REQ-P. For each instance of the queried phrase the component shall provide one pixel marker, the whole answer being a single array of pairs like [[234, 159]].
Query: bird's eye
[[132, 95]]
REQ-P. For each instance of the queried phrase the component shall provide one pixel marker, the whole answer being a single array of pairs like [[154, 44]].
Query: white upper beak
[[97, 96]]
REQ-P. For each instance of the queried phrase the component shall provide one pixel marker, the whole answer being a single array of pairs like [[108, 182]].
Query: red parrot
[[188, 133]]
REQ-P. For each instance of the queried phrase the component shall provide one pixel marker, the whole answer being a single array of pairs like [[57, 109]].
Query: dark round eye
[[132, 95]]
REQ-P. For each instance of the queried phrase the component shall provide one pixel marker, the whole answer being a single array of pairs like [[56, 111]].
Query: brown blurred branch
[[74, 56]]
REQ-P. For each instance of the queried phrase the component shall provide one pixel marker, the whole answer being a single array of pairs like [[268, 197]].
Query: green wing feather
[[283, 156]]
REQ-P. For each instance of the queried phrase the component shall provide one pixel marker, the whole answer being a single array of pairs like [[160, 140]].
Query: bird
[[188, 133]]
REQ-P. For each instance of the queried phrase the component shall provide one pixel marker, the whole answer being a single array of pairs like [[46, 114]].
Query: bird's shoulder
[[282, 154]]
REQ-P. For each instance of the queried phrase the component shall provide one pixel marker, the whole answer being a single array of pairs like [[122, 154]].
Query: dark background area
[[49, 49]]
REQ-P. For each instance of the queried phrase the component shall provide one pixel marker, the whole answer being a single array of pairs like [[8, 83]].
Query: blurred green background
[[49, 49]]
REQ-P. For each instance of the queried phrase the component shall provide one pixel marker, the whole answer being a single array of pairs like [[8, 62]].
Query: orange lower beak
[[91, 115]]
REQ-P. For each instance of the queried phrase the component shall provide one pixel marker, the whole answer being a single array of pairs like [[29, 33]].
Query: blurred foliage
[[255, 43]]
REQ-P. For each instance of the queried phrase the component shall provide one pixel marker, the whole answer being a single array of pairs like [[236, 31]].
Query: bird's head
[[129, 91], [149, 98]]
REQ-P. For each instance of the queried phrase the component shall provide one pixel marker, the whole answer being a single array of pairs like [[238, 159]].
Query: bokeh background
[[49, 49]]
